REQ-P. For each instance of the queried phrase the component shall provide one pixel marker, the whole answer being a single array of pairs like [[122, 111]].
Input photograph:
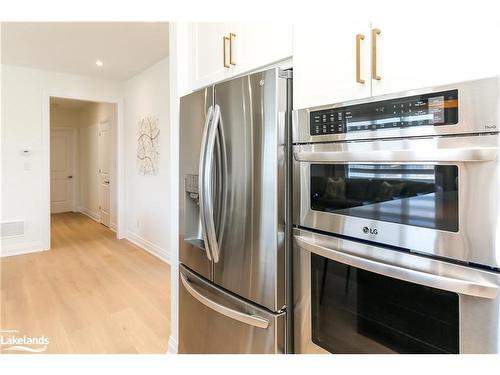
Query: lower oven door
[[350, 297], [438, 196]]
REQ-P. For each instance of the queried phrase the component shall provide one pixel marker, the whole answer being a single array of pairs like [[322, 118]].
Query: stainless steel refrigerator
[[233, 208]]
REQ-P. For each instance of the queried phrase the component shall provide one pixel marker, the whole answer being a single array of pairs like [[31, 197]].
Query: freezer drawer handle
[[252, 320], [460, 286]]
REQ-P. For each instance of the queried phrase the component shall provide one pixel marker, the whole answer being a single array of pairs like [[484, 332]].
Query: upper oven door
[[462, 108], [438, 195]]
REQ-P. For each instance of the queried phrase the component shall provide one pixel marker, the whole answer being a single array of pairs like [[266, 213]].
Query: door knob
[[70, 176], [106, 182]]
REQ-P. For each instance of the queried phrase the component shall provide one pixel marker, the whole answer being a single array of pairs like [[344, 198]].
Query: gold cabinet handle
[[359, 38], [375, 32], [225, 40], [231, 56]]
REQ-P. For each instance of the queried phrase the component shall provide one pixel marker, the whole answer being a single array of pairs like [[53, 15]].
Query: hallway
[[91, 293]]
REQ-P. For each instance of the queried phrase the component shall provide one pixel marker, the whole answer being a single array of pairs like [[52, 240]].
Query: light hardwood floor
[[91, 293]]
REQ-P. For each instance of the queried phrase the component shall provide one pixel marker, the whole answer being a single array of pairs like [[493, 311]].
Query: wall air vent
[[11, 229]]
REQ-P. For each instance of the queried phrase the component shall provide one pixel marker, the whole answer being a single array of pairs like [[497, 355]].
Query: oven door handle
[[470, 154], [461, 286]]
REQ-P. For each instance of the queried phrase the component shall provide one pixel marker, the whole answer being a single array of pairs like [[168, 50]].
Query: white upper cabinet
[[396, 54], [208, 54], [221, 50], [326, 58], [261, 44], [414, 54]]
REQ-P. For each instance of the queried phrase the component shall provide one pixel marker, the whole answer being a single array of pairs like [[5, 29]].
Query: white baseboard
[[150, 247], [93, 215], [172, 345], [21, 248]]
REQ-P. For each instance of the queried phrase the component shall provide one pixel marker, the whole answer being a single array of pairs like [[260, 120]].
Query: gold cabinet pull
[[359, 38], [225, 40], [231, 56], [375, 32]]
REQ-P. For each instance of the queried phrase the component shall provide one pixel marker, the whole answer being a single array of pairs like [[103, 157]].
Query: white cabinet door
[[324, 60], [256, 45], [250, 46], [414, 54], [207, 53]]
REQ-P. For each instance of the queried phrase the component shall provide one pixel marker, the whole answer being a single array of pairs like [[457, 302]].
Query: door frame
[[119, 156], [74, 162]]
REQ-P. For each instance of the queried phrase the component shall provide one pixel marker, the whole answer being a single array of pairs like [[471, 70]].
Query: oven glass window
[[356, 311], [413, 194]]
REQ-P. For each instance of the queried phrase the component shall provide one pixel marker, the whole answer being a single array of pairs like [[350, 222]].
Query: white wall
[[64, 117], [24, 109], [148, 208]]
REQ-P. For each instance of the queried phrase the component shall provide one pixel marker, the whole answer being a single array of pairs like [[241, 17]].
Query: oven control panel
[[434, 109]]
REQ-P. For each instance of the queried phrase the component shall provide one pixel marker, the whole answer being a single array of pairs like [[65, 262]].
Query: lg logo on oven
[[367, 230]]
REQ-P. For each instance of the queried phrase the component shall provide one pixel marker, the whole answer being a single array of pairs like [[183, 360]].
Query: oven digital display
[[434, 109]]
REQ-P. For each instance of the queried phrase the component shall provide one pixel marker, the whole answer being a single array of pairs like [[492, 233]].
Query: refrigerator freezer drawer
[[213, 321]]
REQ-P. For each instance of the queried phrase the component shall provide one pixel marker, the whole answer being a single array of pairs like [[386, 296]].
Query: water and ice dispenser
[[193, 232]]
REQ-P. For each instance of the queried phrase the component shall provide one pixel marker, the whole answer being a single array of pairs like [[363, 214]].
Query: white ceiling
[[125, 48]]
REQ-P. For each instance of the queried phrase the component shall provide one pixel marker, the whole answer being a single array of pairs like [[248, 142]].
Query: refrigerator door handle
[[242, 317], [201, 169], [206, 186]]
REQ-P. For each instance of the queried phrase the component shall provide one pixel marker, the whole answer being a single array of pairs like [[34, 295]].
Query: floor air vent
[[11, 229]]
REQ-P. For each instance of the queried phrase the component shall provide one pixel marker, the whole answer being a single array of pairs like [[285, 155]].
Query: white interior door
[[61, 171], [104, 174]]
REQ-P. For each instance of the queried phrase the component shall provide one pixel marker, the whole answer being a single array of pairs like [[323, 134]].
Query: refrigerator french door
[[233, 140]]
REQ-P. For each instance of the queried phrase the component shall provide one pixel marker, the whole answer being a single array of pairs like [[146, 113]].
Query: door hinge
[[287, 74], [99, 208]]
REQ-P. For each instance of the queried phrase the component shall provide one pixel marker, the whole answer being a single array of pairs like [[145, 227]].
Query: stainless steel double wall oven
[[396, 216]]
